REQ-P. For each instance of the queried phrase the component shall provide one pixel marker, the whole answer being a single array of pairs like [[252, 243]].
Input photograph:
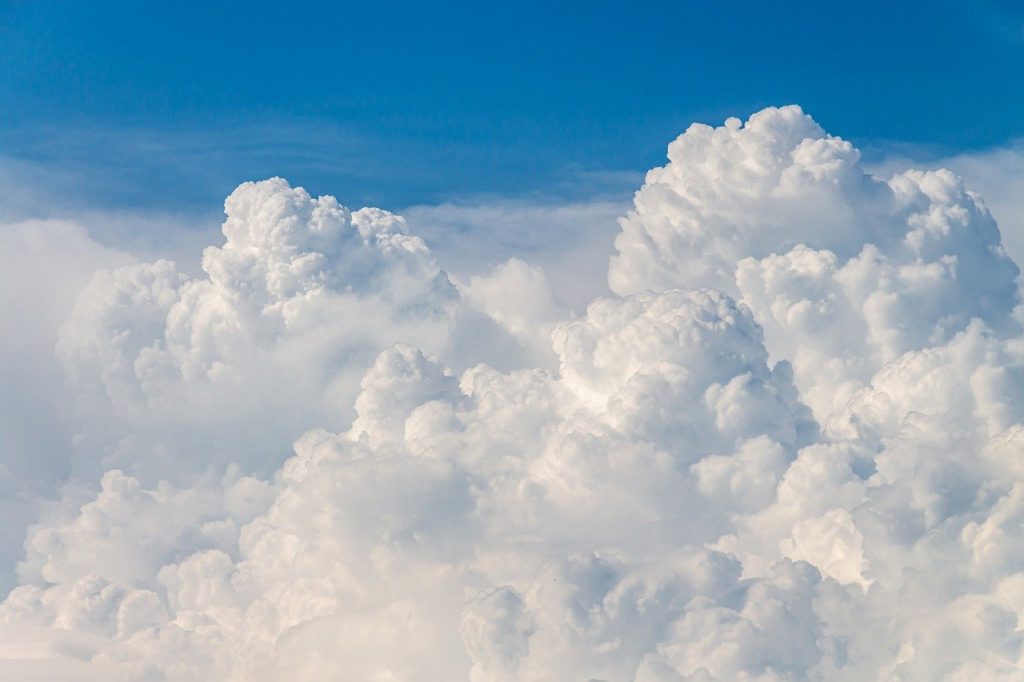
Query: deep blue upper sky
[[396, 103]]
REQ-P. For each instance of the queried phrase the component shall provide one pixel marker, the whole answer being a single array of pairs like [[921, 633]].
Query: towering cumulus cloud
[[844, 271], [271, 340], [791, 447]]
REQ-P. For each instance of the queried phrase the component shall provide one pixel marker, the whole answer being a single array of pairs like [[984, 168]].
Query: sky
[[660, 343], [400, 104]]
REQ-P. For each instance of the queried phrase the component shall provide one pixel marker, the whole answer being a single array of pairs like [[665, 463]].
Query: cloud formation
[[787, 448], [36, 428], [845, 271], [273, 339]]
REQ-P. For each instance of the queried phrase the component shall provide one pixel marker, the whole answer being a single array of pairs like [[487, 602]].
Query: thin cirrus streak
[[788, 446]]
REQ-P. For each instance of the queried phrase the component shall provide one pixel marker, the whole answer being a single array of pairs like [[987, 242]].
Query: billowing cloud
[[845, 271], [273, 339], [787, 448], [37, 428], [995, 174]]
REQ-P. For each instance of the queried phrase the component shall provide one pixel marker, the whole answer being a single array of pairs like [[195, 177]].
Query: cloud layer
[[788, 447]]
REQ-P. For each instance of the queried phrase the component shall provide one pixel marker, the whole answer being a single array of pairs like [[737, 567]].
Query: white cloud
[[844, 270], [270, 340], [997, 175], [570, 241], [803, 464], [43, 264], [518, 297], [379, 534]]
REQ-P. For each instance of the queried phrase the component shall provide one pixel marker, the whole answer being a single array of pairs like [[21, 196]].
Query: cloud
[[570, 241], [519, 298], [997, 175], [844, 270], [295, 304], [37, 428], [377, 533], [785, 448]]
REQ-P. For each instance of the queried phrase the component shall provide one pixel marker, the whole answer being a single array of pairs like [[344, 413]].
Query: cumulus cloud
[[787, 448], [519, 299], [444, 488], [844, 270], [271, 339], [995, 174], [571, 240], [37, 428]]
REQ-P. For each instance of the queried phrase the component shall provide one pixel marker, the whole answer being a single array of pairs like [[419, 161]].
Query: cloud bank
[[789, 446]]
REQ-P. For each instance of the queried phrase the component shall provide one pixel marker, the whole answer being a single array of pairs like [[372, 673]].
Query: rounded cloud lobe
[[788, 448]]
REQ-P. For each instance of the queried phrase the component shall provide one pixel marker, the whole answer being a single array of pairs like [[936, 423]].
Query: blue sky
[[171, 105]]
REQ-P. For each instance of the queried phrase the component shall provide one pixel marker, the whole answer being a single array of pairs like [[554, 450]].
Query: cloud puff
[[787, 449], [844, 270], [995, 174], [272, 340]]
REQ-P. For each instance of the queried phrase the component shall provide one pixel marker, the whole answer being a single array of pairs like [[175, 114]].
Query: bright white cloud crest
[[790, 447]]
